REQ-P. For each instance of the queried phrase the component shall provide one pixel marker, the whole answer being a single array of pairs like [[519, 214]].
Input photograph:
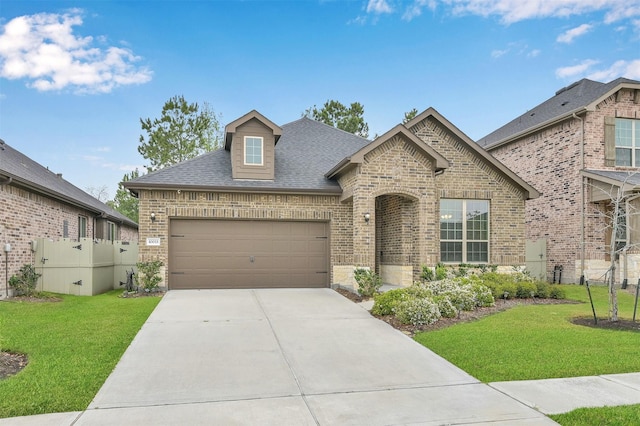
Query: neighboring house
[[304, 204], [37, 203], [578, 148]]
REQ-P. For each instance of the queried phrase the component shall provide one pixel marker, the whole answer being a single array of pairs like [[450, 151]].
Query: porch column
[[364, 231]]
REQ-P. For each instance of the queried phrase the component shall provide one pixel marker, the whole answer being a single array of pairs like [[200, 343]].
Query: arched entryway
[[397, 238]]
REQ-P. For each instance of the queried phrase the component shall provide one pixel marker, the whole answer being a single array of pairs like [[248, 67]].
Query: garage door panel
[[248, 254]]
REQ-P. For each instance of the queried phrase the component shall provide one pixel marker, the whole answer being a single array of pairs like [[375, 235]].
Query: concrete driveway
[[287, 357]]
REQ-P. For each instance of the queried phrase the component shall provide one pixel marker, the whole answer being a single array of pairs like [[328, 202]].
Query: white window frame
[[82, 227], [465, 240], [635, 142], [261, 139], [112, 230]]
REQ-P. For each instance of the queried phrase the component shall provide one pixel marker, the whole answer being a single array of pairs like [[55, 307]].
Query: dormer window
[[253, 149]]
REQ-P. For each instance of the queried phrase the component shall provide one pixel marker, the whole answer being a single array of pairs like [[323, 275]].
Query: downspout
[[582, 200]]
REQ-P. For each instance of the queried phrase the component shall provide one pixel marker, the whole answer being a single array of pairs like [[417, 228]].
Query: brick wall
[[550, 160], [25, 216]]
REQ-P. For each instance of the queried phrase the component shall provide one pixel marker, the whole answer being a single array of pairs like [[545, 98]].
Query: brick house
[[578, 148], [37, 203], [304, 204]]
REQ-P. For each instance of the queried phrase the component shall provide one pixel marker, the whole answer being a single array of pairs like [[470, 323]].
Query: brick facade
[[26, 216], [395, 184], [551, 160]]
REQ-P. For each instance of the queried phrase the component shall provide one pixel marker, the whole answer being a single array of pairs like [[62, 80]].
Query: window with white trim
[[253, 150], [82, 227], [464, 231], [627, 142]]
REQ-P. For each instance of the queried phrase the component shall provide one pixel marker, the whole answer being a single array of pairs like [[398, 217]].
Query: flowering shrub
[[446, 308], [417, 311], [385, 303], [482, 295]]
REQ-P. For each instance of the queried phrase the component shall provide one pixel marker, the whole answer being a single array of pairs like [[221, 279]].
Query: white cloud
[[378, 7], [43, 49], [573, 70], [534, 53], [628, 69], [569, 35], [517, 48], [511, 11], [498, 53]]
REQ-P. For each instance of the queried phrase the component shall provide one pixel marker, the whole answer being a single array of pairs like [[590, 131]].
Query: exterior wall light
[[153, 217], [367, 217]]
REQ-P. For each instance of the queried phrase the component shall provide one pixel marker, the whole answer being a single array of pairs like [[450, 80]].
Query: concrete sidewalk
[[298, 357]]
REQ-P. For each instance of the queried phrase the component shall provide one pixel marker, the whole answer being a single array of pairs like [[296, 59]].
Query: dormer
[[251, 141]]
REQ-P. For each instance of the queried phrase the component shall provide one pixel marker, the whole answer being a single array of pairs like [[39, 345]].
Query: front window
[[627, 142], [464, 231], [253, 150], [111, 229], [82, 227]]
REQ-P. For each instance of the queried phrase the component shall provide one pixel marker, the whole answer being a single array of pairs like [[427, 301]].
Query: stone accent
[[550, 160], [397, 274]]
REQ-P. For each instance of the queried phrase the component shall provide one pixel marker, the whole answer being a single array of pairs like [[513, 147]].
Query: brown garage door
[[247, 254]]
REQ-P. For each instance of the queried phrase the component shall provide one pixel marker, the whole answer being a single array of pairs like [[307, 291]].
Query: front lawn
[[602, 416], [540, 342], [72, 345]]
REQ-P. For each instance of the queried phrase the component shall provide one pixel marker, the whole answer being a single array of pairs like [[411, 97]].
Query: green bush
[[368, 282], [557, 292], [542, 289], [441, 272], [417, 311], [525, 290], [148, 276], [446, 308], [24, 282], [482, 295], [427, 273], [385, 303]]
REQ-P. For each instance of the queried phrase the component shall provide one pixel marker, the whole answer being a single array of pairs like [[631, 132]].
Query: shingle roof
[[306, 150], [25, 172], [571, 99], [627, 178]]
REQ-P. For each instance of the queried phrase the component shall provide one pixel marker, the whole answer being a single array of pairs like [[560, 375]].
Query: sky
[[76, 77]]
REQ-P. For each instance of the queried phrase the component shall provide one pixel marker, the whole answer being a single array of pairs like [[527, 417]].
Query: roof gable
[[20, 170], [231, 128], [475, 149], [440, 162], [583, 95]]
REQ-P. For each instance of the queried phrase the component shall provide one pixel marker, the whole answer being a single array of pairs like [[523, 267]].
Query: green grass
[[603, 416], [539, 341], [73, 345]]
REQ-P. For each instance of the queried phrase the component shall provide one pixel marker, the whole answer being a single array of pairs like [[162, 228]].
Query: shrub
[[446, 308], [542, 289], [385, 303], [427, 273], [557, 292], [148, 276], [441, 272], [482, 295], [24, 282], [368, 282], [526, 289], [417, 311]]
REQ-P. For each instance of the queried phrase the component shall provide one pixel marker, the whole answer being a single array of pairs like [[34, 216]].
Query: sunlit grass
[[539, 341], [72, 345], [626, 415]]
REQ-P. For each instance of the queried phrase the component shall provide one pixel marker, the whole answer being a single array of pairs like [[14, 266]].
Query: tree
[[183, 131], [409, 115], [99, 192], [616, 219], [123, 201], [338, 115]]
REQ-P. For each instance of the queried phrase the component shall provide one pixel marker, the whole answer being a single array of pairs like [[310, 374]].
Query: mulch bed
[[11, 363]]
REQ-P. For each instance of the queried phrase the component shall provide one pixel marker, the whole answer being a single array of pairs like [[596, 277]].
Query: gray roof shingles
[[570, 99], [26, 172], [306, 151], [628, 177]]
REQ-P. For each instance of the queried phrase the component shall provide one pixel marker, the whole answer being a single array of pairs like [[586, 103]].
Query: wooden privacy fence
[[85, 267]]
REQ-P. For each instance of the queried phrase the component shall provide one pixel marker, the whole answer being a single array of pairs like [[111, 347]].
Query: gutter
[[239, 189]]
